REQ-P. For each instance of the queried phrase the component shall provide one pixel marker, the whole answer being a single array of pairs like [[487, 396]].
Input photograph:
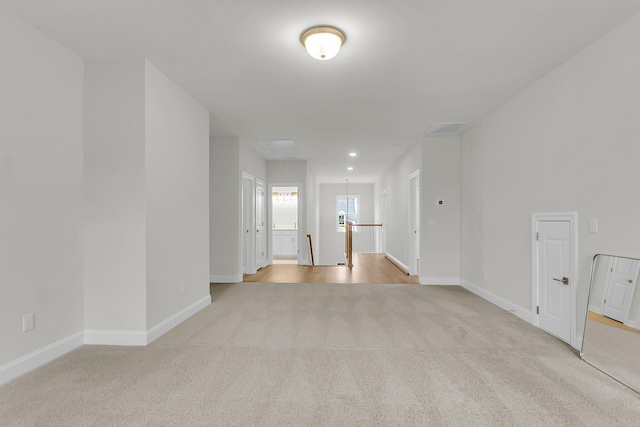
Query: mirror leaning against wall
[[611, 340]]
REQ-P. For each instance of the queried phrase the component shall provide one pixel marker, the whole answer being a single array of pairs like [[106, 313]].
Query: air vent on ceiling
[[440, 128], [280, 147]]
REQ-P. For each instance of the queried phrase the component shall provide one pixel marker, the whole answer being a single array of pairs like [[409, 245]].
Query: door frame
[[572, 218], [383, 231], [414, 223], [627, 314], [302, 259], [248, 224], [260, 183]]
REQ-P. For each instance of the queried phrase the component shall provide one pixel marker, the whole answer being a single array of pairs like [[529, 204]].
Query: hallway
[[367, 268]]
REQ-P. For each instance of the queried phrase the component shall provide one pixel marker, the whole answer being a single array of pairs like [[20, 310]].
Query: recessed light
[[349, 168], [353, 154]]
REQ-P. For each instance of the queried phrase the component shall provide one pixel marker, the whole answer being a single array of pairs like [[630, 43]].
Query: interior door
[[248, 224], [260, 246], [414, 221], [621, 284], [554, 278], [383, 246]]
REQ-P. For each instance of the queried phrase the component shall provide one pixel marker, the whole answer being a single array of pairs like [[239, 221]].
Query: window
[[346, 210]]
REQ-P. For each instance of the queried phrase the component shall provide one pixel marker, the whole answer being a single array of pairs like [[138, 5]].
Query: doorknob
[[564, 280], [629, 280]]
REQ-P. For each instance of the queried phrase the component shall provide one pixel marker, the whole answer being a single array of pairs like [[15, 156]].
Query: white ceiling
[[406, 63]]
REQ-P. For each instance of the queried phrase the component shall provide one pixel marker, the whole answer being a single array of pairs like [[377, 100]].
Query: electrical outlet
[[27, 322]]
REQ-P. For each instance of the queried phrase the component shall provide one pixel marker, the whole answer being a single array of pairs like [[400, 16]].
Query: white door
[[554, 257], [621, 283], [248, 224], [414, 222], [383, 237], [260, 246]]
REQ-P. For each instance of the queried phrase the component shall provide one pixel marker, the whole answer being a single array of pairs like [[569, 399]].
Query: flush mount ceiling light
[[323, 41]]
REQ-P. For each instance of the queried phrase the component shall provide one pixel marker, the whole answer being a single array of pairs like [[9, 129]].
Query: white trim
[[447, 281], [597, 310], [397, 262], [142, 338], [414, 263], [248, 223], [383, 219], [39, 357], [125, 338], [166, 325], [521, 312], [572, 218], [302, 212], [225, 279], [263, 220]]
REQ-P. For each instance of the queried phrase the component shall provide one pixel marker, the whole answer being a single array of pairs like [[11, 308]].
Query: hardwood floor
[[367, 268], [610, 322]]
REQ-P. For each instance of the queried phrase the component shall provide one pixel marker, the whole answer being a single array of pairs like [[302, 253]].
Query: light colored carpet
[[323, 354], [615, 351]]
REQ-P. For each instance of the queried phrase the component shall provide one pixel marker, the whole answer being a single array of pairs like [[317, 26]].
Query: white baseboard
[[439, 281], [595, 309], [226, 279], [522, 313], [173, 321], [142, 338], [397, 262], [39, 357], [124, 338]]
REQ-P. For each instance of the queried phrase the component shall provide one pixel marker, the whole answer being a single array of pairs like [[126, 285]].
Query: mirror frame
[[586, 318]]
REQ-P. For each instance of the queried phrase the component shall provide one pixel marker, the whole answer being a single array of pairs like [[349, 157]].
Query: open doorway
[[285, 224]]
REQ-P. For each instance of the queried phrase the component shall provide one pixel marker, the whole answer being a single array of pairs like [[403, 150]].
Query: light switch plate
[[27, 322]]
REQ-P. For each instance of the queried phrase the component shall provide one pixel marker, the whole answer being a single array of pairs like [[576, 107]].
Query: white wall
[[287, 173], [114, 196], [440, 238], [332, 241], [570, 142], [177, 197], [396, 183], [225, 204], [40, 189], [285, 212], [252, 163]]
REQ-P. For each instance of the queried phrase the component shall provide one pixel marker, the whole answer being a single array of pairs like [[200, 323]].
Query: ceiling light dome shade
[[323, 42]]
